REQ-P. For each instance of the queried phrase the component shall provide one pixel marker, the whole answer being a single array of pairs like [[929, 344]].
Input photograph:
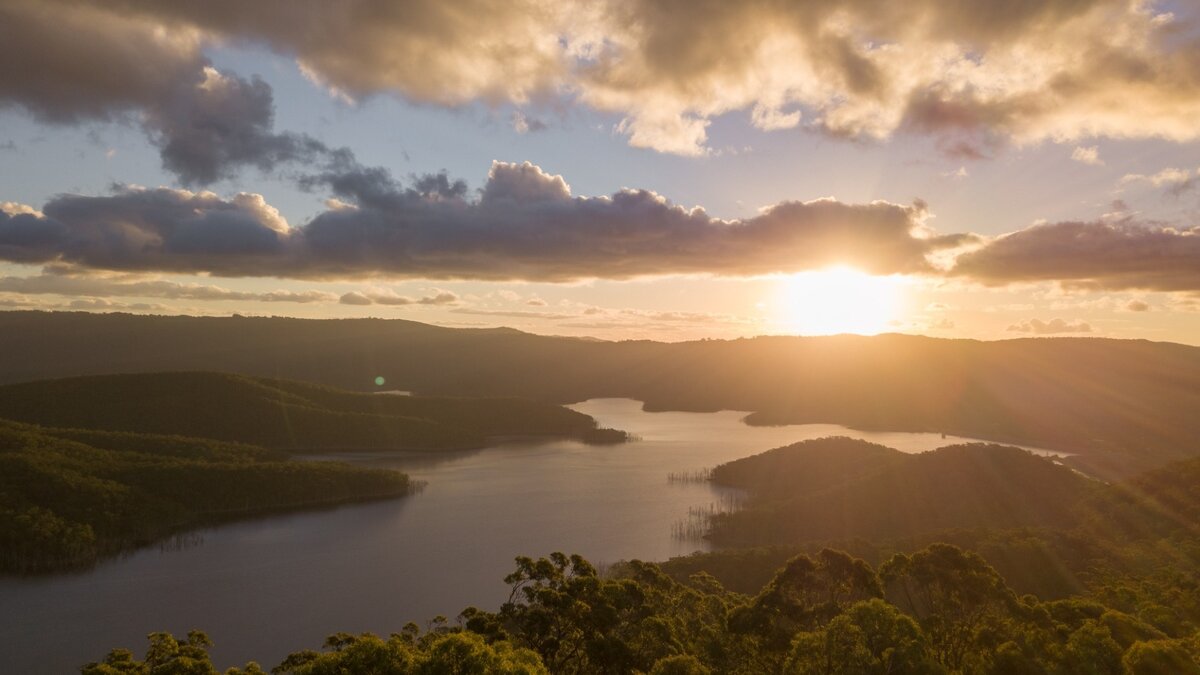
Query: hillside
[[1141, 530], [69, 498], [804, 492], [1125, 405], [278, 413]]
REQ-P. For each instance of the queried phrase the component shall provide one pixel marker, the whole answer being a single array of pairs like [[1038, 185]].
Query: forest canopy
[[70, 497]]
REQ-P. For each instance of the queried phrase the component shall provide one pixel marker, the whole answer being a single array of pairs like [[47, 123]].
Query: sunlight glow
[[838, 300]]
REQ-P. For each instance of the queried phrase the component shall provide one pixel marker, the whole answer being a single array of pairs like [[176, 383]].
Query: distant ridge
[[1126, 405]]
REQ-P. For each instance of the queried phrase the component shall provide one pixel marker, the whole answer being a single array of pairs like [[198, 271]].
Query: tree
[[166, 656], [1159, 657], [806, 594], [870, 638], [953, 594]]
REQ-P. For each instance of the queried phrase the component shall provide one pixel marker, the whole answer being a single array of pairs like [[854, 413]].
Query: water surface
[[266, 587]]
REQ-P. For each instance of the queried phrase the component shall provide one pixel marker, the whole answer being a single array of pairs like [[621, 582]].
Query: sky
[[622, 170]]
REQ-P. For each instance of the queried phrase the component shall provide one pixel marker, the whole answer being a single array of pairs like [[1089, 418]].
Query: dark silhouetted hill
[[842, 489], [279, 413]]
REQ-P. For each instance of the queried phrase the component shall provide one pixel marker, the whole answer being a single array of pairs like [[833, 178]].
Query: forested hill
[[70, 497], [280, 413], [1127, 405], [842, 489], [1050, 531]]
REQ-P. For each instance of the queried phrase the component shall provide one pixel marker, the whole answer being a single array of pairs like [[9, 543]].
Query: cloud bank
[[67, 282], [972, 73], [1107, 255], [523, 224]]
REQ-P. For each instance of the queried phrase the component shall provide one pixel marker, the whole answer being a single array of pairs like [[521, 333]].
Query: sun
[[838, 300]]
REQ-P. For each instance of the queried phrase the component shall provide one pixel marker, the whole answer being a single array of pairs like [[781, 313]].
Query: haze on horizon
[[614, 169]]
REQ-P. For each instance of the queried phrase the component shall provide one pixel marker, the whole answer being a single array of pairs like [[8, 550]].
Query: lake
[[267, 587]]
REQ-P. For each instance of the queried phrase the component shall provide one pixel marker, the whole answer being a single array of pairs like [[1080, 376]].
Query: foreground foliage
[[938, 610]]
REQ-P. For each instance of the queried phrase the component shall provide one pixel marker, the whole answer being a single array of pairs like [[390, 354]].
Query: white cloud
[[1087, 155]]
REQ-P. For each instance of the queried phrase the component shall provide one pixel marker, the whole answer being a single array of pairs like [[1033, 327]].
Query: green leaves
[[943, 610]]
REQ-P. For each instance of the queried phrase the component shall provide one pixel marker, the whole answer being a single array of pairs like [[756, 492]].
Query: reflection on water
[[266, 587]]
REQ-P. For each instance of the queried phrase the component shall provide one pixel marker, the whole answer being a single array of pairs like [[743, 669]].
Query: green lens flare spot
[[379, 381]]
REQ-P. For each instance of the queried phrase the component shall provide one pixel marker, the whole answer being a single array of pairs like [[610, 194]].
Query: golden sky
[[668, 170]]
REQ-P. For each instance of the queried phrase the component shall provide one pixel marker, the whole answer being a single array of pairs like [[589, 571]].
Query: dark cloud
[[525, 224], [140, 229], [67, 63], [1051, 327], [70, 62], [1111, 255], [27, 237], [207, 131]]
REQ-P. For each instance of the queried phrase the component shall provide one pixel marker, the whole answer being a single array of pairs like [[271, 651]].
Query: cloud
[[207, 131], [103, 305], [63, 282], [142, 229], [86, 304], [1061, 70], [67, 63], [1052, 327], [1052, 70], [1176, 182], [1111, 255], [1137, 306], [1171, 178], [388, 297], [1087, 155], [514, 313], [523, 124], [524, 225], [587, 316], [70, 62]]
